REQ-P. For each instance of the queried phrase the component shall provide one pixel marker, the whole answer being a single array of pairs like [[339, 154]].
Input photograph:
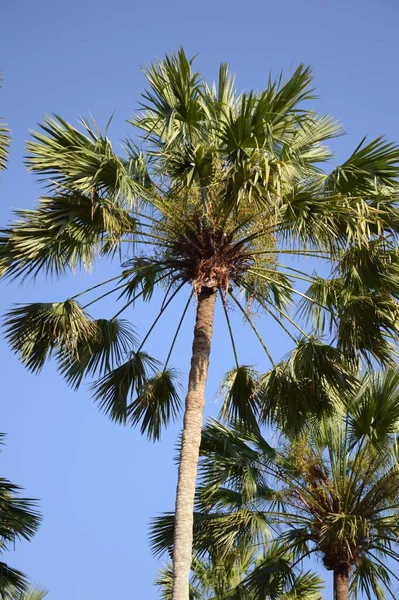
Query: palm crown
[[220, 189]]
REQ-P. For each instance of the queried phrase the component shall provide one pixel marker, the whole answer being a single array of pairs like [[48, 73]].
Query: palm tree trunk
[[191, 439], [341, 584]]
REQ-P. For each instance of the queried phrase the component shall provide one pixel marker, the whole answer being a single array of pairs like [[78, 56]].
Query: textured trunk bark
[[191, 439], [341, 584]]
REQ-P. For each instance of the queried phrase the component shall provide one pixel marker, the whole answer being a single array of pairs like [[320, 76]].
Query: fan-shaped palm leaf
[[19, 519]]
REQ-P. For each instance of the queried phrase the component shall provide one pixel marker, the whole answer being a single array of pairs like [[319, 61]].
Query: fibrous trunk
[[191, 439], [341, 584]]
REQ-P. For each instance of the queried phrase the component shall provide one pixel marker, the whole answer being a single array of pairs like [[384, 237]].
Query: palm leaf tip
[[5, 140], [240, 388], [35, 330], [313, 381], [115, 389], [105, 345], [157, 403], [137, 394]]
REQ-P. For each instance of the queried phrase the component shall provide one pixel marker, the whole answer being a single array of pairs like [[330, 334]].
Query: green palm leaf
[[157, 403], [19, 519], [313, 381], [66, 231], [103, 346], [370, 166], [84, 162], [240, 388], [5, 140], [114, 391], [35, 330]]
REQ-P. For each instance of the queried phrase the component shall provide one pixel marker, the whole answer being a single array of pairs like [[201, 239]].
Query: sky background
[[98, 483]]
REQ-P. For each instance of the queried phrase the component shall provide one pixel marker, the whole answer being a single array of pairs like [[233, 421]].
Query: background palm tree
[[333, 490], [222, 191], [4, 140], [19, 519], [231, 577]]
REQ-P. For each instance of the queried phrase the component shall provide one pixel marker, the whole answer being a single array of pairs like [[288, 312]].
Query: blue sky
[[100, 484]]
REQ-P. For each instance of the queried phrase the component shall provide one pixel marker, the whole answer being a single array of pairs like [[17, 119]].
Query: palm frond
[[367, 579], [105, 344], [66, 231], [374, 412], [35, 330], [85, 162], [12, 582], [157, 403], [312, 381], [370, 166], [240, 388], [5, 140], [114, 391], [33, 593]]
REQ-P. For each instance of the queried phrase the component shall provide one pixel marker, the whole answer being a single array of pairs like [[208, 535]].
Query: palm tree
[[217, 195], [19, 519], [221, 577], [4, 140], [333, 490]]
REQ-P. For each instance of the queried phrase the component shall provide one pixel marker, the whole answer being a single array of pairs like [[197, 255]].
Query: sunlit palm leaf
[[33, 593], [5, 140], [84, 162], [368, 168], [312, 382]]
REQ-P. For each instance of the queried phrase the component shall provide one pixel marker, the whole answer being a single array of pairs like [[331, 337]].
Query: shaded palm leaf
[[35, 330], [115, 390], [158, 402], [240, 387], [313, 381], [375, 409], [66, 231], [104, 345], [19, 519]]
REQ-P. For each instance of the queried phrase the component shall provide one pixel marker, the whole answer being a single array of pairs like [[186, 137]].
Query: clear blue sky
[[99, 484]]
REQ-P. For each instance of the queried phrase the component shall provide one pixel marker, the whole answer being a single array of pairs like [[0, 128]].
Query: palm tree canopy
[[332, 490], [246, 574], [219, 191]]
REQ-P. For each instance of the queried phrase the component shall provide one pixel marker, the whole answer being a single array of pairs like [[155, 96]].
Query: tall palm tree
[[333, 490], [230, 577], [4, 140], [219, 192], [19, 519]]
